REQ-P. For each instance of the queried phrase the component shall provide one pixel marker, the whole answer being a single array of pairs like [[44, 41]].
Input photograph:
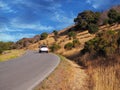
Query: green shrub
[[55, 34], [68, 46], [76, 43], [118, 19], [85, 18], [1, 50], [114, 16], [111, 21], [55, 47], [44, 36], [5, 46], [72, 34], [104, 44], [92, 28], [105, 21]]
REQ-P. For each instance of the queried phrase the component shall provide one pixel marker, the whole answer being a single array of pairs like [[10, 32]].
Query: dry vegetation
[[103, 68], [10, 54], [82, 36], [67, 76], [105, 76], [62, 40]]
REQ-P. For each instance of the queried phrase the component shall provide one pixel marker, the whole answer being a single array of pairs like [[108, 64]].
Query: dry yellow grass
[[105, 76], [67, 76], [11, 54]]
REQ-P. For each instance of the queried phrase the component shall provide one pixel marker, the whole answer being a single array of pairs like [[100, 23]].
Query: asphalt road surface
[[25, 72]]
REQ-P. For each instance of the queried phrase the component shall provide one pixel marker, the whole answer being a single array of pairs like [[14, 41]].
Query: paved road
[[25, 72]]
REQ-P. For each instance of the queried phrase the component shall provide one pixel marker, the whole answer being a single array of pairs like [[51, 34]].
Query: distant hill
[[25, 42]]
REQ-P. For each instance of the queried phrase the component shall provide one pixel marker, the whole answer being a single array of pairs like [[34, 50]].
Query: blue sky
[[26, 18]]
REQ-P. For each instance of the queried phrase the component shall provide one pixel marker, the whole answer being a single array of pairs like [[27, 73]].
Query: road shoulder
[[67, 76]]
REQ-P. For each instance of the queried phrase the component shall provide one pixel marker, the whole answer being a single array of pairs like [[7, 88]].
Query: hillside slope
[[82, 36]]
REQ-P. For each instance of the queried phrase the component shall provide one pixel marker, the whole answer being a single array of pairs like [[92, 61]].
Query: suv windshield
[[43, 46]]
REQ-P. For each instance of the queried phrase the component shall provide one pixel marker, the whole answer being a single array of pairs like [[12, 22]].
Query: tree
[[96, 17], [86, 18], [55, 34], [5, 46], [72, 35], [1, 47], [113, 16], [44, 36], [68, 46], [104, 44], [92, 28], [55, 47], [105, 21], [76, 43], [118, 18]]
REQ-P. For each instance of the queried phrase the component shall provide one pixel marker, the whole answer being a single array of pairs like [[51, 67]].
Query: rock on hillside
[[25, 42]]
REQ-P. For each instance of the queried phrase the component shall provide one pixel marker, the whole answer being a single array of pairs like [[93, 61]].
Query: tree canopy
[[104, 44], [5, 46], [44, 35], [86, 18]]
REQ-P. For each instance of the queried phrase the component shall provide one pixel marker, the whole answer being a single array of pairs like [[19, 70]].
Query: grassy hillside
[[82, 36], [10, 54], [101, 57]]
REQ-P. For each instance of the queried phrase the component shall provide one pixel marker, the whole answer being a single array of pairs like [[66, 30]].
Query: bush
[[85, 18], [55, 34], [68, 46], [92, 28], [1, 50], [72, 34], [104, 44], [111, 21], [44, 36], [113, 16], [76, 43], [5, 46], [55, 47], [105, 21], [118, 18]]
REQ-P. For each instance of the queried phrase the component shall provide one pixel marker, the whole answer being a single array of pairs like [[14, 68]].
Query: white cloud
[[95, 3], [5, 28], [63, 19], [9, 37], [45, 5], [102, 4], [6, 37], [34, 26], [5, 7]]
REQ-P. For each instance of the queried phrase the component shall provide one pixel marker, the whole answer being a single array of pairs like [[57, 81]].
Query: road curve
[[25, 72]]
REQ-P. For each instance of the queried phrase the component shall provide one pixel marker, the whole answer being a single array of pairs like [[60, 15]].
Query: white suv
[[43, 48]]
